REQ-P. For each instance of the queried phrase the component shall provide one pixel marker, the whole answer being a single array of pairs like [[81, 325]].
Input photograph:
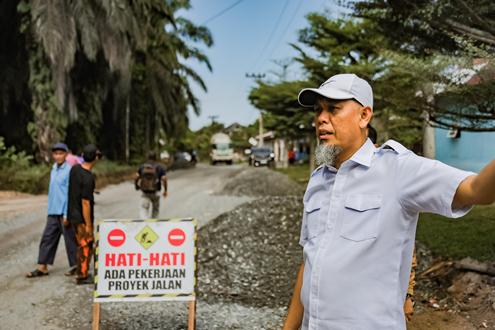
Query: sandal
[[36, 273], [71, 272], [84, 280]]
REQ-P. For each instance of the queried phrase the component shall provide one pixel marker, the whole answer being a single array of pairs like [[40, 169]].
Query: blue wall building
[[471, 151]]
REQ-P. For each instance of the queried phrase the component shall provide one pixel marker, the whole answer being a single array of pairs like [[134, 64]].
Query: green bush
[[33, 179], [10, 157]]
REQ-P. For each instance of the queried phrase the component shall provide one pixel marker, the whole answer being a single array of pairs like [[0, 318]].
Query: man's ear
[[365, 116]]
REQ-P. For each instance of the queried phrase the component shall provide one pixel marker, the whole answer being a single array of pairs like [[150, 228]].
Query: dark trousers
[[51, 236]]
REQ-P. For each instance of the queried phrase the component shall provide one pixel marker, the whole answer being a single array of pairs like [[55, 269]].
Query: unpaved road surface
[[247, 262], [54, 302]]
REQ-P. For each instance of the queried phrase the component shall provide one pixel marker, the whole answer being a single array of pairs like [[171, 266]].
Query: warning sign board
[[145, 260]]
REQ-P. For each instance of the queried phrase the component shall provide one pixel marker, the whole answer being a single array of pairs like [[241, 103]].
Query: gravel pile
[[251, 255], [261, 182], [248, 261]]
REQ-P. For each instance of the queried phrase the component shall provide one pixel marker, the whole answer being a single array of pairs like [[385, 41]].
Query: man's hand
[[89, 233], [65, 222], [409, 308], [296, 310], [476, 189], [165, 194]]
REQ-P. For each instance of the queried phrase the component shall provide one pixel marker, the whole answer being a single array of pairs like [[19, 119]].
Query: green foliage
[[200, 140], [282, 112], [32, 179], [110, 73], [422, 27], [328, 47], [49, 122], [461, 30], [18, 173], [470, 236], [10, 157]]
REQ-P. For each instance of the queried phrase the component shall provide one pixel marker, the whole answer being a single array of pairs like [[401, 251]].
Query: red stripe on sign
[[116, 237], [176, 237]]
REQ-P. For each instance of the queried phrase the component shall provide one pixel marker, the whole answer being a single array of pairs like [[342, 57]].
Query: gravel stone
[[261, 182]]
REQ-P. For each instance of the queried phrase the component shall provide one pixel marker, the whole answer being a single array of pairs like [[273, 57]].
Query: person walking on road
[[56, 222], [149, 179], [361, 209], [81, 210]]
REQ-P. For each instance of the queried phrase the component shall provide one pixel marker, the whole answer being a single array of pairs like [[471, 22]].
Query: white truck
[[221, 149]]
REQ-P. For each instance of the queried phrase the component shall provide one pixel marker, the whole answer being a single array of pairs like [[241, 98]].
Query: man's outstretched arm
[[477, 189], [296, 309]]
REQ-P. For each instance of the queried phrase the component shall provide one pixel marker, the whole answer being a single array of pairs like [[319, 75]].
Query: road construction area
[[249, 222]]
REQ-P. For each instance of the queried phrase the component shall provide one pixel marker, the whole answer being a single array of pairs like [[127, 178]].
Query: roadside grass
[[298, 172], [34, 179], [110, 172], [471, 236]]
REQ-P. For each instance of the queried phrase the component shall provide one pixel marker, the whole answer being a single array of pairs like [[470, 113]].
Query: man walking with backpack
[[149, 179]]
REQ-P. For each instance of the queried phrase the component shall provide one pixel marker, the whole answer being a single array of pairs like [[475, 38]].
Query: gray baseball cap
[[60, 146], [339, 87]]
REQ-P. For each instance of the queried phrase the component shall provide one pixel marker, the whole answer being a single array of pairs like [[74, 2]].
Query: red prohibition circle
[[176, 237], [116, 237]]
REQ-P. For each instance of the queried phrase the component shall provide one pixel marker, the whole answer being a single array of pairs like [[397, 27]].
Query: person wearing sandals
[[56, 223], [81, 210]]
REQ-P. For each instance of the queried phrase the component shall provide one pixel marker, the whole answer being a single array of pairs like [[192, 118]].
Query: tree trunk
[[127, 133], [49, 122]]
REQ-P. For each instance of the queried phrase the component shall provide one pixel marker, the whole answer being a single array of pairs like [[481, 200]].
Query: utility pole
[[261, 140], [212, 118], [255, 75], [258, 76]]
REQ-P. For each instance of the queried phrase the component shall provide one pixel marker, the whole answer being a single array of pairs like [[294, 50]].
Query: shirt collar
[[364, 155], [64, 164]]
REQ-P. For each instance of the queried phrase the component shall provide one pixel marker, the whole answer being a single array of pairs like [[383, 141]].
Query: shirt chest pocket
[[360, 219], [315, 219]]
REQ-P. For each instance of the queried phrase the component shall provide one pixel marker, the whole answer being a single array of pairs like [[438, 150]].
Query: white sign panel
[[145, 260]]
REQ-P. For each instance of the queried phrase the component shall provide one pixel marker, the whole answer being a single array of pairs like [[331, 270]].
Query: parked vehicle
[[221, 149], [183, 159], [261, 157]]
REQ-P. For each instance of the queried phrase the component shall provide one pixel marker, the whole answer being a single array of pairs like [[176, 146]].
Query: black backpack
[[149, 178]]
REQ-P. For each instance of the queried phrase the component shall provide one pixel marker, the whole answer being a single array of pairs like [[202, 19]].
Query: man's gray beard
[[326, 154]]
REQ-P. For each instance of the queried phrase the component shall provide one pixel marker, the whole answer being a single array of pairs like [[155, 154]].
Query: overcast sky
[[247, 38]]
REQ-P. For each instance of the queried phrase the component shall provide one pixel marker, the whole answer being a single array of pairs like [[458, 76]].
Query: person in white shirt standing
[[361, 209]]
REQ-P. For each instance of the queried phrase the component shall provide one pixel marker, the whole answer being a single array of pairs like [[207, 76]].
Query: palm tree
[[85, 58]]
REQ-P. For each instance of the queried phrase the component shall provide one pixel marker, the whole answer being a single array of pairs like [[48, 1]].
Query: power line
[[223, 11], [279, 19], [286, 28]]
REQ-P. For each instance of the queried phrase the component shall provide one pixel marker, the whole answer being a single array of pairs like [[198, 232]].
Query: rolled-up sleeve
[[428, 185]]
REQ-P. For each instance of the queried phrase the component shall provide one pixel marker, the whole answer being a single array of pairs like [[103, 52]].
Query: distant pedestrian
[[149, 179], [74, 159], [56, 223], [81, 210]]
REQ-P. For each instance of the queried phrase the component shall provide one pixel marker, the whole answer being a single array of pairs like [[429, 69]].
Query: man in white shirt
[[361, 208]]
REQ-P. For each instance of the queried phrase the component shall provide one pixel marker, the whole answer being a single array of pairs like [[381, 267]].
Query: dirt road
[[37, 303], [248, 262]]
